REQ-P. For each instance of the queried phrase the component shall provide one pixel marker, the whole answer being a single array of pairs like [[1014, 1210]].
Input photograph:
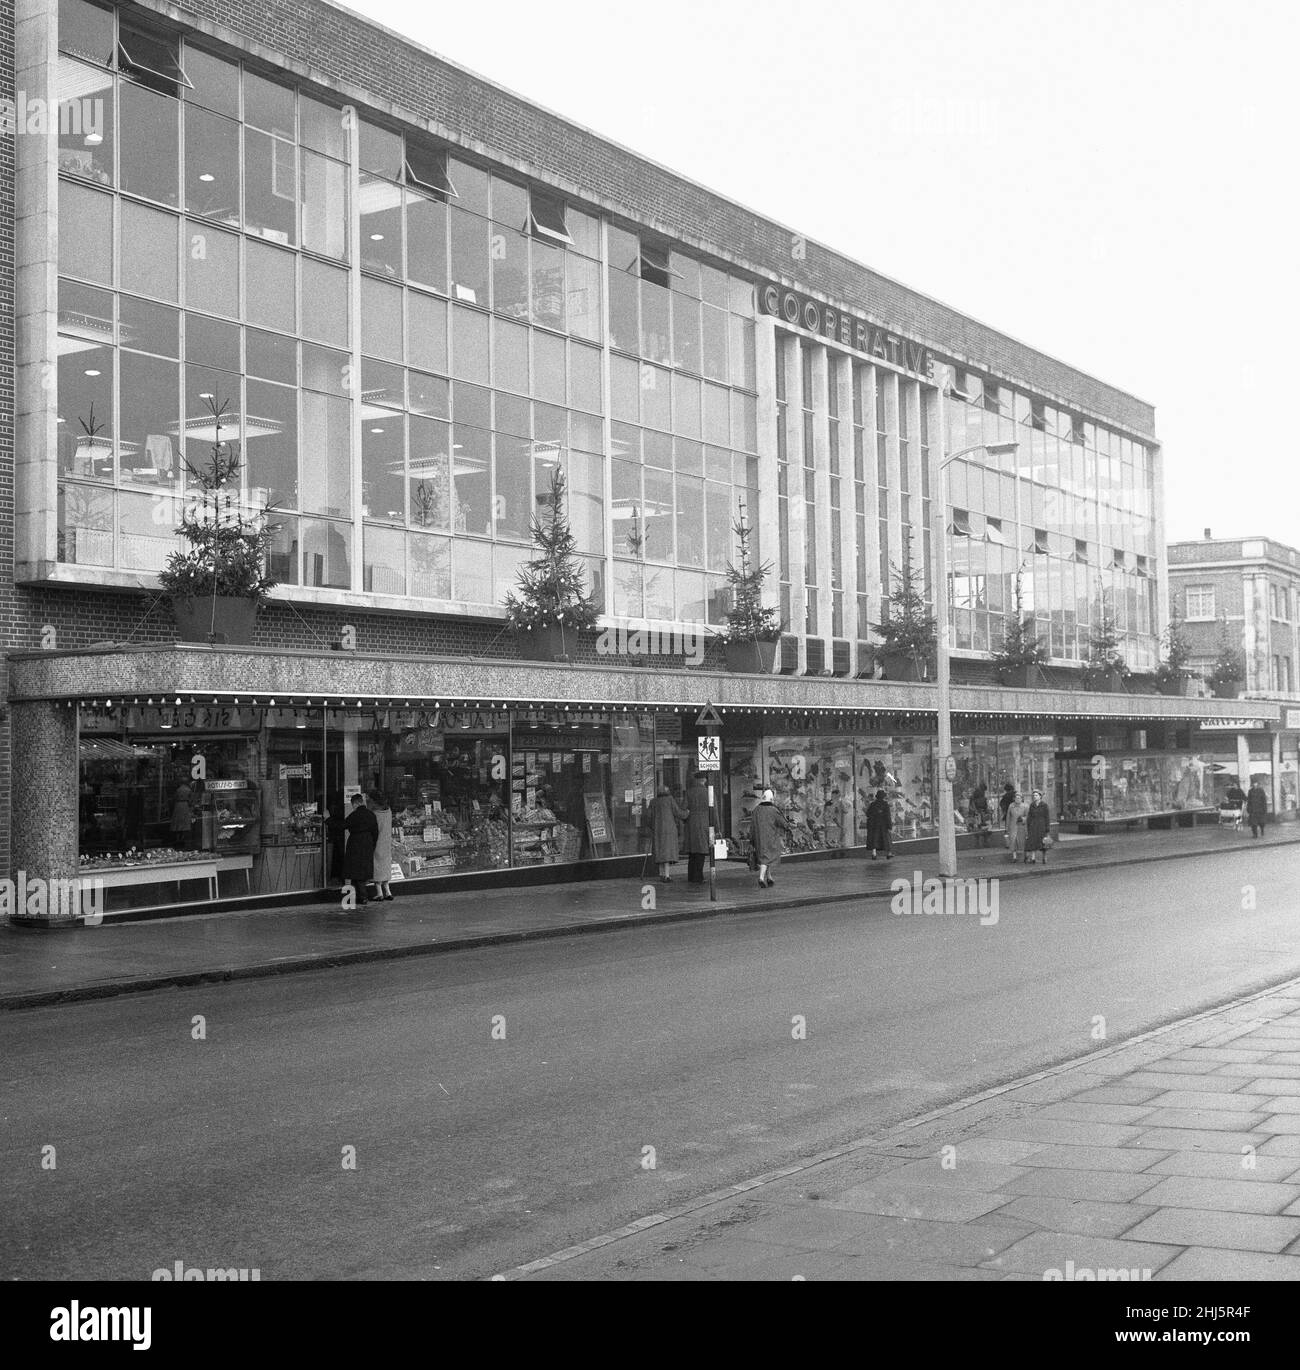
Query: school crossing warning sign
[[710, 752]]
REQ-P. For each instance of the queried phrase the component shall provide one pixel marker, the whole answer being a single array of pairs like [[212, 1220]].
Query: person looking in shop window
[[665, 814], [359, 857], [769, 824], [383, 869], [880, 821], [182, 820]]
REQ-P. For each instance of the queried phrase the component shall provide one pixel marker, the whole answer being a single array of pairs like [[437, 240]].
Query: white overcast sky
[[1110, 181]]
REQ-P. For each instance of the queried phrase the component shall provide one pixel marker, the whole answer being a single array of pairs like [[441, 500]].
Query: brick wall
[[476, 112], [8, 605]]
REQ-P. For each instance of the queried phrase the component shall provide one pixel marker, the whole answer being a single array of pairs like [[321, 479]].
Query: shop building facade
[[1252, 585], [411, 296]]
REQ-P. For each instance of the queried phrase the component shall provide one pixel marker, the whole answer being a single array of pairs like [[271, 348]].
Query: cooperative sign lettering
[[845, 328]]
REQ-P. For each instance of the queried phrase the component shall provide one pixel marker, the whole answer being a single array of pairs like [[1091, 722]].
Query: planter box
[[1182, 688], [1228, 691], [750, 658], [547, 644], [1022, 678], [229, 619], [901, 667]]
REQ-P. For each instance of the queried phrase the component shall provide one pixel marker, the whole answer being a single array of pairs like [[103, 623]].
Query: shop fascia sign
[[1234, 725], [846, 328]]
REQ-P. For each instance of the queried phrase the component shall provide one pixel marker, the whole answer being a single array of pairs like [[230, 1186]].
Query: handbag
[[720, 849], [1047, 841], [1006, 839]]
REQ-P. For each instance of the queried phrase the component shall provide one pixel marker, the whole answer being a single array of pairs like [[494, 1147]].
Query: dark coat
[[697, 820], [665, 812], [1038, 825], [1256, 805], [359, 858], [880, 819], [1004, 801], [769, 824], [1235, 796]]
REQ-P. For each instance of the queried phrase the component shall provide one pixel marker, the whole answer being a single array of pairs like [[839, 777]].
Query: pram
[[1231, 818]]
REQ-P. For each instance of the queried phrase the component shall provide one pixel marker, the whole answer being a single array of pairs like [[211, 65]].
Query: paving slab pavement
[[995, 1188], [39, 967]]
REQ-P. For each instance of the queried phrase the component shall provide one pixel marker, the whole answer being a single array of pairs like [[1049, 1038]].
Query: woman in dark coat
[[697, 828], [665, 814], [981, 816], [1256, 809], [880, 819], [359, 858], [769, 824], [1038, 825]]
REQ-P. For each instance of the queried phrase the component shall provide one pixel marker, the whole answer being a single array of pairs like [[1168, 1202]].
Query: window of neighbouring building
[[1199, 600]]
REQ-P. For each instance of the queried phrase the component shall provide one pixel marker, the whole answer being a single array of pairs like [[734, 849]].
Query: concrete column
[[36, 300], [793, 354], [821, 529], [765, 520], [842, 380], [44, 823]]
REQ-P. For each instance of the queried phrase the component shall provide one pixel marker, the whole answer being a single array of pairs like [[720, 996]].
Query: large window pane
[[85, 525], [426, 241], [586, 472], [623, 297], [212, 165], [383, 468], [212, 342], [149, 260], [510, 356], [548, 369], [584, 297], [150, 144], [384, 568], [85, 419], [86, 132], [211, 270], [472, 478], [509, 272], [326, 455], [468, 239], [656, 397], [381, 225], [327, 554], [268, 105], [148, 327], [324, 206], [656, 342], [86, 30], [272, 291], [426, 322], [430, 559], [429, 474], [659, 510], [381, 319], [514, 503], [469, 345], [548, 285], [324, 302], [85, 233], [380, 151], [472, 581], [686, 333], [145, 537], [150, 409], [326, 370], [270, 186], [215, 82], [715, 343], [324, 127], [585, 382], [690, 522], [272, 444]]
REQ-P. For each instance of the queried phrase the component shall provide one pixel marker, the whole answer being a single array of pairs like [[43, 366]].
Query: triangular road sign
[[708, 717]]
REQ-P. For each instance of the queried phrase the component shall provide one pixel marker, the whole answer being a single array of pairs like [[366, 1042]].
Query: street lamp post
[[939, 535]]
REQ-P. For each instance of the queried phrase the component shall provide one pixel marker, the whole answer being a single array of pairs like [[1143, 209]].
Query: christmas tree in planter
[[218, 582], [551, 606], [908, 634], [753, 630], [1172, 675], [1105, 668], [1019, 660], [1229, 669]]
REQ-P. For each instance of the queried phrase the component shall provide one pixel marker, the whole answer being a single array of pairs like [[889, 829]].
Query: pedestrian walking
[[697, 828], [880, 822], [769, 824], [383, 871], [1038, 828], [665, 814], [1256, 809], [1017, 825], [359, 857], [1004, 800], [980, 816]]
